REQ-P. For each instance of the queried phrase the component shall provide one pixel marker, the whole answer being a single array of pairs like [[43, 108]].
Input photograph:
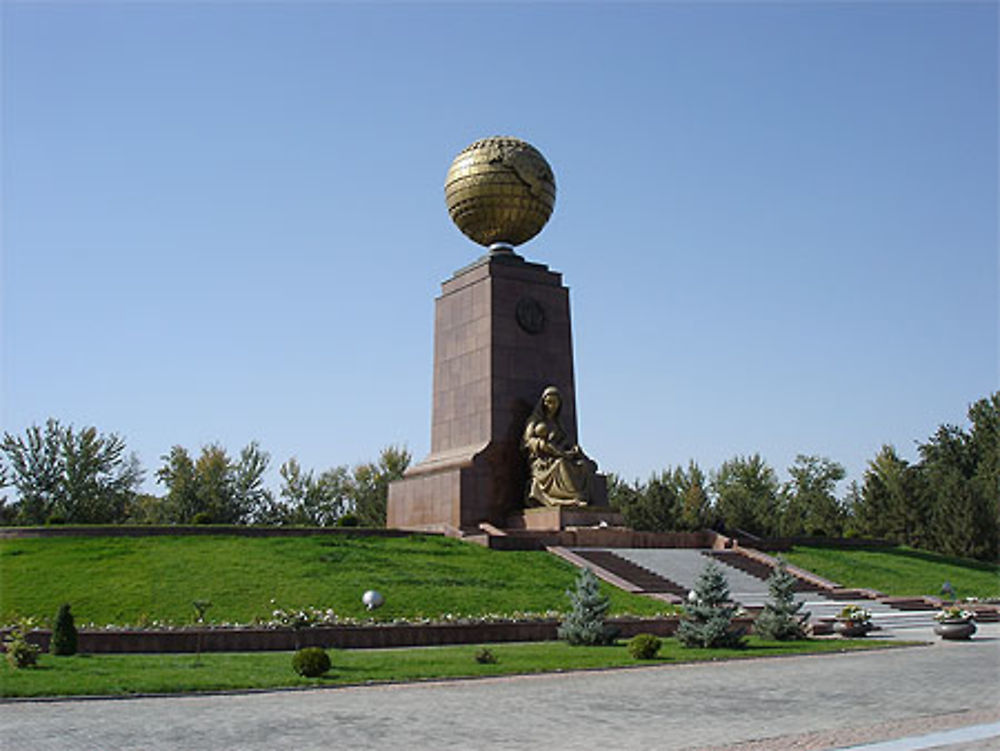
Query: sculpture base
[[548, 519], [448, 491], [459, 490]]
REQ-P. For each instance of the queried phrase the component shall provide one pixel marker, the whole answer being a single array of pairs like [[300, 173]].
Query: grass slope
[[171, 673], [133, 580], [900, 571]]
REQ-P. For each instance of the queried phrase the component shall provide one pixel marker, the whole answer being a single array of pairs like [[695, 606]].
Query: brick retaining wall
[[344, 637]]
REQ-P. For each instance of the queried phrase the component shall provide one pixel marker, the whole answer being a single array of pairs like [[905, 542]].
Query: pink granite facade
[[501, 335]]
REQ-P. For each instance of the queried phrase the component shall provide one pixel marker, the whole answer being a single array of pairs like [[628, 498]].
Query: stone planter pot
[[852, 629], [955, 629]]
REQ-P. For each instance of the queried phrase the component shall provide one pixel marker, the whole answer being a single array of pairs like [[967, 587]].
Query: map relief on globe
[[500, 192]]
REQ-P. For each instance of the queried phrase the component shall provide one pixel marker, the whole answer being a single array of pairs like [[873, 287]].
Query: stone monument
[[502, 340]]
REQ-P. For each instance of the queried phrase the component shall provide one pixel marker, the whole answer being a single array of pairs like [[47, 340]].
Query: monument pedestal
[[558, 518], [501, 335]]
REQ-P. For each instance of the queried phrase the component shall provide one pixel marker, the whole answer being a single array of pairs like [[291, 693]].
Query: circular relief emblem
[[530, 315]]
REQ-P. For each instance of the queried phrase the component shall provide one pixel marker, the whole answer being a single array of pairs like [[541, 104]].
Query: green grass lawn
[[170, 673], [900, 571], [124, 580]]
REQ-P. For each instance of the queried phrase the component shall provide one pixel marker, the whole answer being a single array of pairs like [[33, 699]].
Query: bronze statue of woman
[[561, 474]]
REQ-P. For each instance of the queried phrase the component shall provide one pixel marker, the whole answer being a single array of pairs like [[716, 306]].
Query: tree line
[[62, 475], [948, 501]]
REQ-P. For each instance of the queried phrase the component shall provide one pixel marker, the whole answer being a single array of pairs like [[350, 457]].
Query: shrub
[[644, 646], [55, 519], [585, 623], [348, 520], [311, 662], [202, 517], [200, 606], [708, 614], [64, 636], [780, 619], [20, 652], [486, 657]]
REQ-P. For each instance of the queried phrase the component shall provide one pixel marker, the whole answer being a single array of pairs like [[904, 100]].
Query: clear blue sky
[[225, 221]]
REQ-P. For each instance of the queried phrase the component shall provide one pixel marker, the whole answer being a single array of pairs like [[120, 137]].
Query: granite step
[[639, 576], [755, 568]]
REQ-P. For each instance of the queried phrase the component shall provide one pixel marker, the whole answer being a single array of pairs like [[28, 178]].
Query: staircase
[[645, 581], [756, 568], [824, 604], [670, 573], [675, 572]]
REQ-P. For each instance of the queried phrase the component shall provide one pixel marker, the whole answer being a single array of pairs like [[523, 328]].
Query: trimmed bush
[[64, 637], [348, 520], [486, 657], [202, 517], [644, 646], [311, 662]]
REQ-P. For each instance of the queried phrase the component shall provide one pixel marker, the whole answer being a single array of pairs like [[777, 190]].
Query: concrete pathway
[[813, 702]]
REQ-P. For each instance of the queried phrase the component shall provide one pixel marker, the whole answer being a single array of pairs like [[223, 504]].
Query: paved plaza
[[811, 702]]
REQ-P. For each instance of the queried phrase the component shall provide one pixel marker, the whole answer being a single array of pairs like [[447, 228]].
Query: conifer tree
[[781, 619], [64, 635], [585, 623], [708, 615]]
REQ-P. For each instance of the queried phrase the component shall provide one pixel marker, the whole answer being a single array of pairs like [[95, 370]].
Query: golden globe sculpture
[[500, 192]]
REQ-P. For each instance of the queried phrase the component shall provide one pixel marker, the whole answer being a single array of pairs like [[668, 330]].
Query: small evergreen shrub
[[55, 519], [200, 607], [20, 652], [584, 625], [708, 616], [780, 619], [202, 517], [64, 636], [486, 657], [348, 520], [644, 646], [311, 662]]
